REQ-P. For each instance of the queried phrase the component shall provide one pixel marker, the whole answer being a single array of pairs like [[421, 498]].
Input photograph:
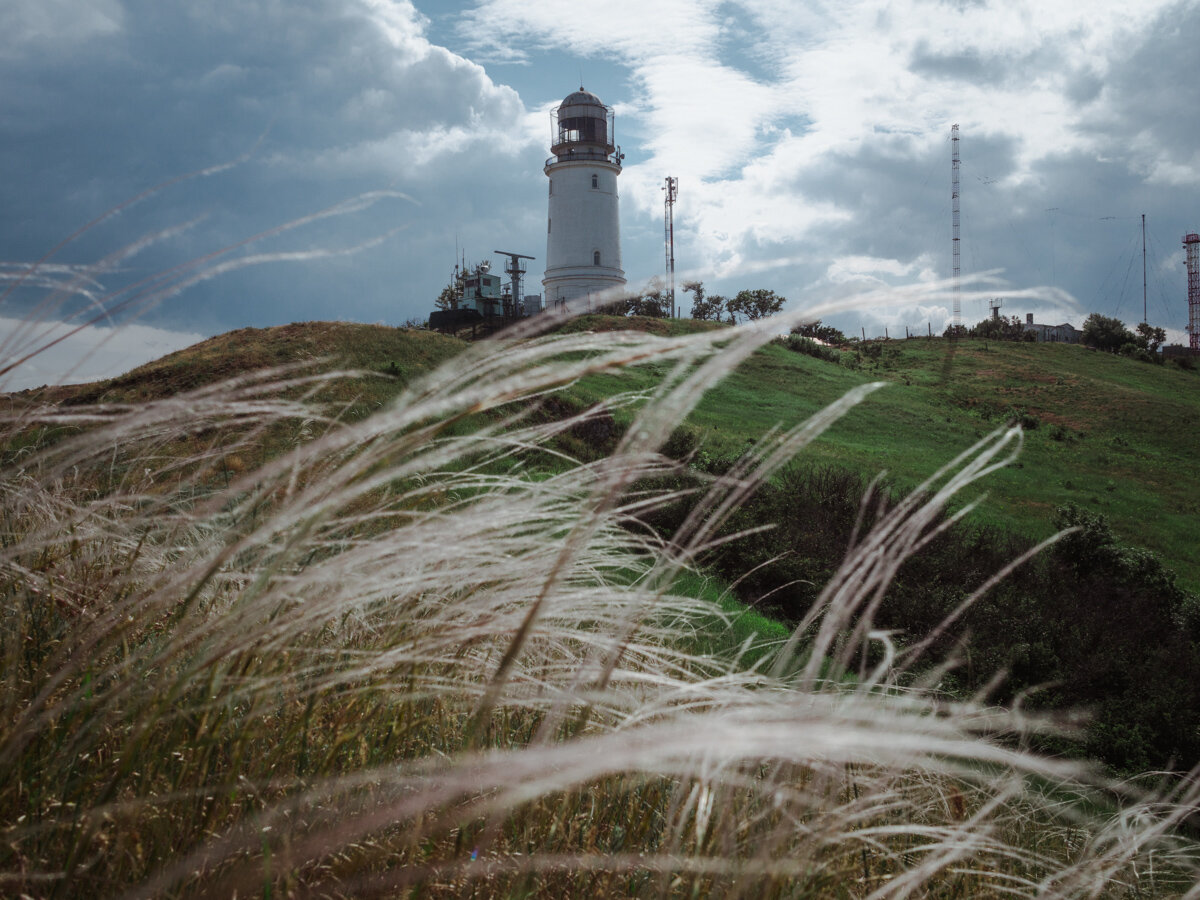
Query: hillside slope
[[1113, 435], [1110, 434], [397, 352], [403, 660]]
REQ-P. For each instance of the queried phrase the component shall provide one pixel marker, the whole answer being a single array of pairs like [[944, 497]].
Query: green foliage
[[1111, 335], [1090, 624], [809, 347], [448, 298], [956, 332], [650, 302], [1001, 328], [1150, 338], [1106, 333], [1094, 550], [754, 304], [826, 333], [705, 308]]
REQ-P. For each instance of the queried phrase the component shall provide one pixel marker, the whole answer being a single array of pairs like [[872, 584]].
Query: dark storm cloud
[[1151, 94], [329, 98], [811, 143]]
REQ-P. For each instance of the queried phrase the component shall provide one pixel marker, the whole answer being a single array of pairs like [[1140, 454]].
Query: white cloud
[[809, 140], [847, 267], [89, 354], [750, 111], [635, 30], [56, 27]]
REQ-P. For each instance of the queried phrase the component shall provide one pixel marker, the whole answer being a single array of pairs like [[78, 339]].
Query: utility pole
[[954, 241], [1144, 318], [672, 191]]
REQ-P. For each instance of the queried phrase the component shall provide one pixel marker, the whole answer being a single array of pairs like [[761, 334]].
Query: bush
[[1106, 333], [1106, 625], [825, 333], [810, 347], [1000, 328]]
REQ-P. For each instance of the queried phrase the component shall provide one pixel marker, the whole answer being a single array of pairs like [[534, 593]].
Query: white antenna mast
[[672, 191]]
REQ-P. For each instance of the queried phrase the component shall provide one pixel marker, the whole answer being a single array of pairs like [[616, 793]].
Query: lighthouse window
[[595, 257], [547, 226], [595, 182], [551, 185]]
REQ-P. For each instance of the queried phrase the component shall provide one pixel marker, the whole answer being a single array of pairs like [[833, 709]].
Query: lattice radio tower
[[672, 191], [1191, 244], [955, 268]]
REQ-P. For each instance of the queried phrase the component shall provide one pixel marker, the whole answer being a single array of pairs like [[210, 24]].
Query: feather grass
[[403, 657]]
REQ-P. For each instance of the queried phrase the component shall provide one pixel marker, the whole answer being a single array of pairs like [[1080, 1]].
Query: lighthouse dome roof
[[581, 98]]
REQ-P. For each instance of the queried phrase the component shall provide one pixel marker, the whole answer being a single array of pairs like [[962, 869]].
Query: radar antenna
[[514, 269]]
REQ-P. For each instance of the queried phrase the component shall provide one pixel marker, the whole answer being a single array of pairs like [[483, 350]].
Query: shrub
[[1107, 626], [1001, 328], [826, 333], [1106, 333], [809, 347]]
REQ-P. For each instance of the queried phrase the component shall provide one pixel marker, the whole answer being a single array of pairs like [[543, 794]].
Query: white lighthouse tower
[[583, 232]]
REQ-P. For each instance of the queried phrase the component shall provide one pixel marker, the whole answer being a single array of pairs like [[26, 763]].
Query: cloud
[[56, 27], [810, 142], [331, 98], [90, 354]]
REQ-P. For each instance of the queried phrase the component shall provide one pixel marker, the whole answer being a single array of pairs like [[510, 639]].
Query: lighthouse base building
[[583, 233]]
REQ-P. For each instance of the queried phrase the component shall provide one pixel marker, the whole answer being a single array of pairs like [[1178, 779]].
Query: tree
[[448, 298], [1106, 333], [826, 333], [704, 308], [1150, 338], [756, 304], [1001, 328], [650, 302], [955, 332]]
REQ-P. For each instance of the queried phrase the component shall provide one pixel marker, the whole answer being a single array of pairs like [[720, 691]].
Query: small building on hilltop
[[1065, 333], [480, 299], [481, 292]]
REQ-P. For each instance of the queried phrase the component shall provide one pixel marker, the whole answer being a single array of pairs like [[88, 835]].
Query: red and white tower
[[955, 268], [1191, 244]]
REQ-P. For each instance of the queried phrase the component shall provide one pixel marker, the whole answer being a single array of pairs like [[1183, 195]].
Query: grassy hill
[[1108, 433], [1106, 440], [383, 660], [395, 352]]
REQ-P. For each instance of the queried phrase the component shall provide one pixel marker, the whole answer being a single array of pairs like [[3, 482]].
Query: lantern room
[[582, 128]]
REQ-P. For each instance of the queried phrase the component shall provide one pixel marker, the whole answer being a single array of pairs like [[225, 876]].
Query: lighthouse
[[583, 232]]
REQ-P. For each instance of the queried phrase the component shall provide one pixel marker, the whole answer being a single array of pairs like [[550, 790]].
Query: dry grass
[[398, 658]]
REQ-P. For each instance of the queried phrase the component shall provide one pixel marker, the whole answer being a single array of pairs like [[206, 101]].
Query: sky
[[197, 167]]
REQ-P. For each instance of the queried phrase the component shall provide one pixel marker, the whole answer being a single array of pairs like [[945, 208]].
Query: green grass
[[734, 628], [1113, 435], [396, 355], [396, 662]]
